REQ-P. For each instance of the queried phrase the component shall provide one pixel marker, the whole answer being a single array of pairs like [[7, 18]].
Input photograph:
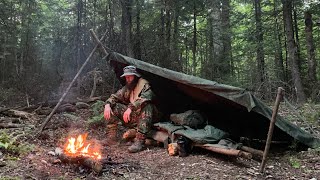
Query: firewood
[[253, 151], [88, 162], [225, 151], [129, 135], [173, 149]]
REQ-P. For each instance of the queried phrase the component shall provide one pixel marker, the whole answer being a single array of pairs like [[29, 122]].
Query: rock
[[51, 153], [58, 151]]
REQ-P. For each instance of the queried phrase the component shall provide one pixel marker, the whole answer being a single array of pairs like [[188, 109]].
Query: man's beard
[[133, 84]]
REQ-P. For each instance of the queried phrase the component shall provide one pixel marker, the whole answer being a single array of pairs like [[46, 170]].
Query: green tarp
[[228, 108]]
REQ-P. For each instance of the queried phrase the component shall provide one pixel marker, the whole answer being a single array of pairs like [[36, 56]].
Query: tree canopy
[[257, 45]]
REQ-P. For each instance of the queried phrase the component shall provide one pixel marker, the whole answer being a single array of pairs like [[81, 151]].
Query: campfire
[[79, 147], [78, 151]]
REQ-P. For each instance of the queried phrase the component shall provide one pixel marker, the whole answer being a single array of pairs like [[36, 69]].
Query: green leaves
[[295, 163], [12, 145], [4, 145]]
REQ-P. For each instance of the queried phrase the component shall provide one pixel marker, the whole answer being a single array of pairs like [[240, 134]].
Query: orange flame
[[79, 147]]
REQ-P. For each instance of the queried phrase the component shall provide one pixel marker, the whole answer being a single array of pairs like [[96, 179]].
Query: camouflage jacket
[[136, 98]]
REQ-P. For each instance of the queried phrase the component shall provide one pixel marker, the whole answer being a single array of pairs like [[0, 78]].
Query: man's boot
[[139, 143], [112, 134]]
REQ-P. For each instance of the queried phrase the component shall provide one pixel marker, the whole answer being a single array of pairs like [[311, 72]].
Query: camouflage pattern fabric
[[144, 112], [143, 118]]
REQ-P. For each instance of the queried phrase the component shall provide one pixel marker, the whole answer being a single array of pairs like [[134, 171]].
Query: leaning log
[[225, 151], [88, 162]]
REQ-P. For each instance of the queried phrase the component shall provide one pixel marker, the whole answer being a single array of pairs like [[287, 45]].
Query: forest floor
[[39, 162]]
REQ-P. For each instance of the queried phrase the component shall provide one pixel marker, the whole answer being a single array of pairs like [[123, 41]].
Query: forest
[[257, 45]]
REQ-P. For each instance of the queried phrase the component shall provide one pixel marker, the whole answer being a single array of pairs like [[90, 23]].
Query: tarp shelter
[[228, 108]]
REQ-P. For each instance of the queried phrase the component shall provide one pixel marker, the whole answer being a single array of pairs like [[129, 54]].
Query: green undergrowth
[[96, 118], [10, 144]]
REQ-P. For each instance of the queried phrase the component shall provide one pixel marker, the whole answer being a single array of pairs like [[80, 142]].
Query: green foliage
[[11, 144], [295, 163], [97, 114], [311, 112]]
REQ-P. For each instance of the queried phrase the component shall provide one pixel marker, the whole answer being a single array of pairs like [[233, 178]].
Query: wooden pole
[[70, 85], [98, 42], [271, 127]]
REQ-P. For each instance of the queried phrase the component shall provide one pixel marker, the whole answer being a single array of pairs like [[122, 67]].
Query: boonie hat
[[130, 70]]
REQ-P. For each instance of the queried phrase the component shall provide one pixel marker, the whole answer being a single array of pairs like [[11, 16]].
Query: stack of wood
[[11, 118]]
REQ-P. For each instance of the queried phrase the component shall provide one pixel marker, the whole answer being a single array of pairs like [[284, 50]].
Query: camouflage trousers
[[142, 119]]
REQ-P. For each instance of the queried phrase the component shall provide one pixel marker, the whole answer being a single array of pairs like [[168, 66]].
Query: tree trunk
[[175, 51], [126, 24], [293, 51], [137, 48], [110, 19], [79, 39], [260, 51], [310, 47], [296, 34], [194, 44], [162, 60], [226, 58], [279, 67]]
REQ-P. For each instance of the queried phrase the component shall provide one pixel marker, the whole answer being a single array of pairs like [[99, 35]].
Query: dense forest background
[[258, 45]]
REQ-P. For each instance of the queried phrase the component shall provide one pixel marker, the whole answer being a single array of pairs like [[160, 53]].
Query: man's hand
[[107, 111], [126, 115]]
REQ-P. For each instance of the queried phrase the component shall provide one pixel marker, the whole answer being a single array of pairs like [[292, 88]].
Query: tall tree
[[126, 28], [278, 57], [177, 65], [226, 56], [194, 41], [293, 51], [259, 39], [137, 47], [312, 63]]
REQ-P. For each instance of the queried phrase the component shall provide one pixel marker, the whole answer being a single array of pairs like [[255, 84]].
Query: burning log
[[88, 162], [77, 151]]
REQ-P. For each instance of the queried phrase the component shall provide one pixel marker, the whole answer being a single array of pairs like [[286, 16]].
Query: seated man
[[132, 104]]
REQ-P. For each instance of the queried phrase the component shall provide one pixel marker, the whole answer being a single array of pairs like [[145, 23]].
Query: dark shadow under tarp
[[228, 108]]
